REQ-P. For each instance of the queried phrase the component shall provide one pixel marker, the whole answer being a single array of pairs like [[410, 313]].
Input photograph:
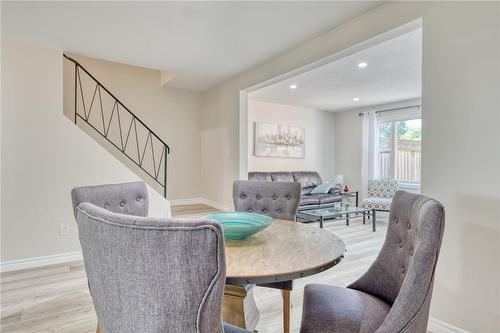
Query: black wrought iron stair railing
[[118, 125]]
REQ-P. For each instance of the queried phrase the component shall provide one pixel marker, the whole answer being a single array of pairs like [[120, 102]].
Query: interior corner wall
[[319, 134], [174, 115], [460, 161], [44, 155], [348, 147]]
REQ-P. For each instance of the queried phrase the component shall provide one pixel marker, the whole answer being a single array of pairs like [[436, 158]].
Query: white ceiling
[[393, 74], [203, 43]]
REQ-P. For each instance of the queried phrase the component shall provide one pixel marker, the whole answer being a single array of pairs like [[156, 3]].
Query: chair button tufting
[[265, 210], [243, 196], [279, 211], [274, 197], [400, 245], [402, 269], [106, 206], [138, 199], [258, 197], [396, 220], [409, 226], [249, 209], [288, 196], [122, 204]]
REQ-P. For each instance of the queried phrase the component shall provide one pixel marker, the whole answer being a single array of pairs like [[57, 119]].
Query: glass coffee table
[[336, 213]]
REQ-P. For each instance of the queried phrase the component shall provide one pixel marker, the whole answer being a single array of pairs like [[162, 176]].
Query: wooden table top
[[284, 251]]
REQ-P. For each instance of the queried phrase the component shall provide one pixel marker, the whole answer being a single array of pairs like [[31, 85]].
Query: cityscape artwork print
[[272, 140]]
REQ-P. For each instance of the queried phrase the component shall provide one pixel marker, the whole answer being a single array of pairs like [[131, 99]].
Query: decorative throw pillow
[[337, 189], [322, 188]]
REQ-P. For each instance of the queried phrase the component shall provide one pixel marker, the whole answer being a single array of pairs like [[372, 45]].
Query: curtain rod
[[400, 108], [394, 109]]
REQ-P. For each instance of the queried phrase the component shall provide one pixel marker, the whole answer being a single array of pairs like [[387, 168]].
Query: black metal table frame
[[321, 219]]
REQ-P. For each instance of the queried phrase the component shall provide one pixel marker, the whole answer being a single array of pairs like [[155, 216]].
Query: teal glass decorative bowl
[[239, 225]]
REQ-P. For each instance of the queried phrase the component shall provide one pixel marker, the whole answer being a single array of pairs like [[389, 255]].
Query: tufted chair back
[[278, 200], [126, 198], [152, 275], [382, 188], [403, 273]]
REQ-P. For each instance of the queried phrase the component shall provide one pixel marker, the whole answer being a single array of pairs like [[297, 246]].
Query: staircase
[[97, 109]]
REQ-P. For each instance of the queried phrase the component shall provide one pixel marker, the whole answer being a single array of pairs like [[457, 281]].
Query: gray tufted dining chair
[[394, 295], [149, 275], [126, 198], [279, 200]]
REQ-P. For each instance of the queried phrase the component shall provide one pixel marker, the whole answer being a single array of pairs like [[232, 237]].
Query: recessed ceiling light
[[356, 99], [362, 64], [292, 86]]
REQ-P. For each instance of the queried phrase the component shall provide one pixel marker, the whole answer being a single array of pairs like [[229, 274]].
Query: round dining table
[[285, 251]]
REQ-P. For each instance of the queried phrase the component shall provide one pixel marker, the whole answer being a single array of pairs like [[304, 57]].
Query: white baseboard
[[15, 265], [199, 201], [438, 326], [216, 205], [183, 202]]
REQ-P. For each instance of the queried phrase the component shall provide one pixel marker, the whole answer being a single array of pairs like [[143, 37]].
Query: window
[[399, 150]]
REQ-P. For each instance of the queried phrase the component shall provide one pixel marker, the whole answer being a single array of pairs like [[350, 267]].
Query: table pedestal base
[[239, 308]]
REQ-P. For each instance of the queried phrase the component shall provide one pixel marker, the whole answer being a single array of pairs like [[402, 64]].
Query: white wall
[[461, 159], [44, 155], [319, 129], [348, 147]]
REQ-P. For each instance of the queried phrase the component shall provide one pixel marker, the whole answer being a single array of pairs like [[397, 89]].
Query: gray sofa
[[308, 181]]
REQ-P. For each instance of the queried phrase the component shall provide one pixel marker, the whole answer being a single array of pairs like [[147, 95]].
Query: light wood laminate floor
[[56, 298]]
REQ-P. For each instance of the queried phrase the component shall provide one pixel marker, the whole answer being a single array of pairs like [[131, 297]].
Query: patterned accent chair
[[395, 293], [143, 273], [380, 194]]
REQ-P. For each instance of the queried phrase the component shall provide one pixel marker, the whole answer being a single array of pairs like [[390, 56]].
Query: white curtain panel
[[369, 150], [373, 164], [364, 154]]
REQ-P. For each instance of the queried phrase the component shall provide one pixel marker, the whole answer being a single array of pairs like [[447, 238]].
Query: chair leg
[[286, 310], [97, 330]]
